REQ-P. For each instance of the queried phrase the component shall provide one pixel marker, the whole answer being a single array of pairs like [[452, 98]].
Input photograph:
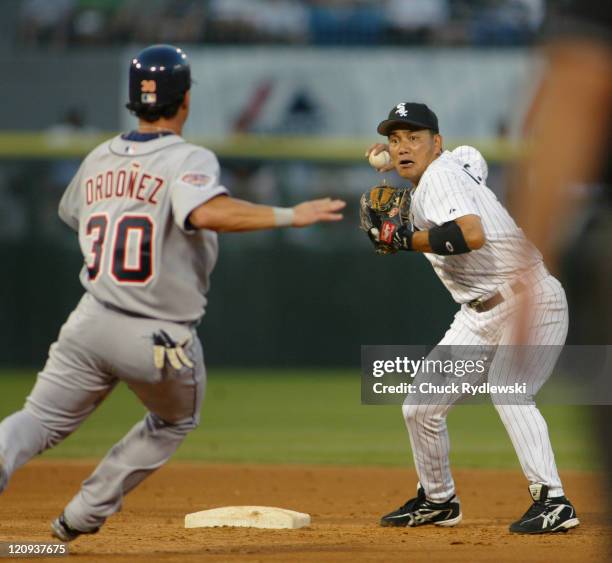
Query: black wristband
[[447, 239]]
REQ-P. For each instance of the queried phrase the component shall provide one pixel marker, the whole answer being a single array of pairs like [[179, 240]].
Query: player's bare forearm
[[228, 214], [471, 228], [473, 232]]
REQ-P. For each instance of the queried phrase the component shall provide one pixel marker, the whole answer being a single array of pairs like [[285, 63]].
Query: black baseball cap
[[409, 114]]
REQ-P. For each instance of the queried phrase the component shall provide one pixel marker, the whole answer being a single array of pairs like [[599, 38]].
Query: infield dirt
[[345, 504]]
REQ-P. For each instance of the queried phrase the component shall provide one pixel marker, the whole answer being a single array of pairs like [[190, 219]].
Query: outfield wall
[[278, 306]]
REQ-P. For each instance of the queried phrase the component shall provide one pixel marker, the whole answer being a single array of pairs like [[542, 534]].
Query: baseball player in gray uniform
[[146, 206], [483, 259]]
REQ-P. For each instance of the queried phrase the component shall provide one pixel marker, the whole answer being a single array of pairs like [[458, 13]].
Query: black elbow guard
[[447, 239]]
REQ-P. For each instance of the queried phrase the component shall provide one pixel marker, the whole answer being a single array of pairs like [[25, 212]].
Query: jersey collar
[[125, 145], [141, 137]]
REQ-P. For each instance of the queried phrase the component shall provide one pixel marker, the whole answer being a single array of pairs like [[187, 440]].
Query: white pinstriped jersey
[[453, 186], [129, 202]]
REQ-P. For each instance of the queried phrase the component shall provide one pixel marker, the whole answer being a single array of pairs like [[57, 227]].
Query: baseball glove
[[384, 212], [165, 348]]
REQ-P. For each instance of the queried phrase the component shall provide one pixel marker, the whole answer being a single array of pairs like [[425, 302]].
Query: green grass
[[301, 416]]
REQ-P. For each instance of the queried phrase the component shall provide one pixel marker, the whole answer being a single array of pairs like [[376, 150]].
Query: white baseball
[[379, 160]]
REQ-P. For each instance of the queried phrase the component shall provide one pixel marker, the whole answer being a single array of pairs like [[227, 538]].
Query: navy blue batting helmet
[[159, 77]]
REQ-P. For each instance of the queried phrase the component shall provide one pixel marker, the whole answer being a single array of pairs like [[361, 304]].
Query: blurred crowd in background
[[65, 23]]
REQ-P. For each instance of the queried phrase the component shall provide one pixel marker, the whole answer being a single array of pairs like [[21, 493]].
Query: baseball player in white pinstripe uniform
[[481, 256]]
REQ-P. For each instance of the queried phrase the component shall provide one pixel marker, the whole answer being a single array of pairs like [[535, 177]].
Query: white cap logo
[[400, 109]]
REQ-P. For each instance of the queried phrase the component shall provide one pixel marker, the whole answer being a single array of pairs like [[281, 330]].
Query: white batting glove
[[165, 347]]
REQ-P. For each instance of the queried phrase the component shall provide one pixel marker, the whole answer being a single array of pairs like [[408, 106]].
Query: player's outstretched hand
[[317, 210], [377, 148]]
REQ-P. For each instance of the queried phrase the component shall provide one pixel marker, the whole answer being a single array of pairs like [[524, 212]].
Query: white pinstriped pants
[[525, 425]]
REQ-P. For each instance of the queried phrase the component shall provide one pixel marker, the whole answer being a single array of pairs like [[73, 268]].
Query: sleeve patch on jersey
[[195, 179]]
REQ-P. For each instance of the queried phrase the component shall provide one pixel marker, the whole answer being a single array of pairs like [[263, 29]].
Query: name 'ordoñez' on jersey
[[129, 183]]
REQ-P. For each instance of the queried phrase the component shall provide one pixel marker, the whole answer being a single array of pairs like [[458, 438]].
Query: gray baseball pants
[[98, 347]]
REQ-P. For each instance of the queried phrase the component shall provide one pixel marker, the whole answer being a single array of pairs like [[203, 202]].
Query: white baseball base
[[248, 517]]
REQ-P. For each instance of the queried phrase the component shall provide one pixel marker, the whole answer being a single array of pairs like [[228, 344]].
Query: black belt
[[482, 306]]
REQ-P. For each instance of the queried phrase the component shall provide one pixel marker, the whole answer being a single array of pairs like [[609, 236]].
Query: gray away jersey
[[129, 202], [453, 186]]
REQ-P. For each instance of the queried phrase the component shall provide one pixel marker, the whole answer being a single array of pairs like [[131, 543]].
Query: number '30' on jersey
[[129, 202]]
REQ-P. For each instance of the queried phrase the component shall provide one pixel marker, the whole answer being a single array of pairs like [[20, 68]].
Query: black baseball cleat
[[419, 511], [61, 530], [546, 514]]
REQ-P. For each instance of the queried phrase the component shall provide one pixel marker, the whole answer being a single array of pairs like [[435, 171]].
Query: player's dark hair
[[154, 113]]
